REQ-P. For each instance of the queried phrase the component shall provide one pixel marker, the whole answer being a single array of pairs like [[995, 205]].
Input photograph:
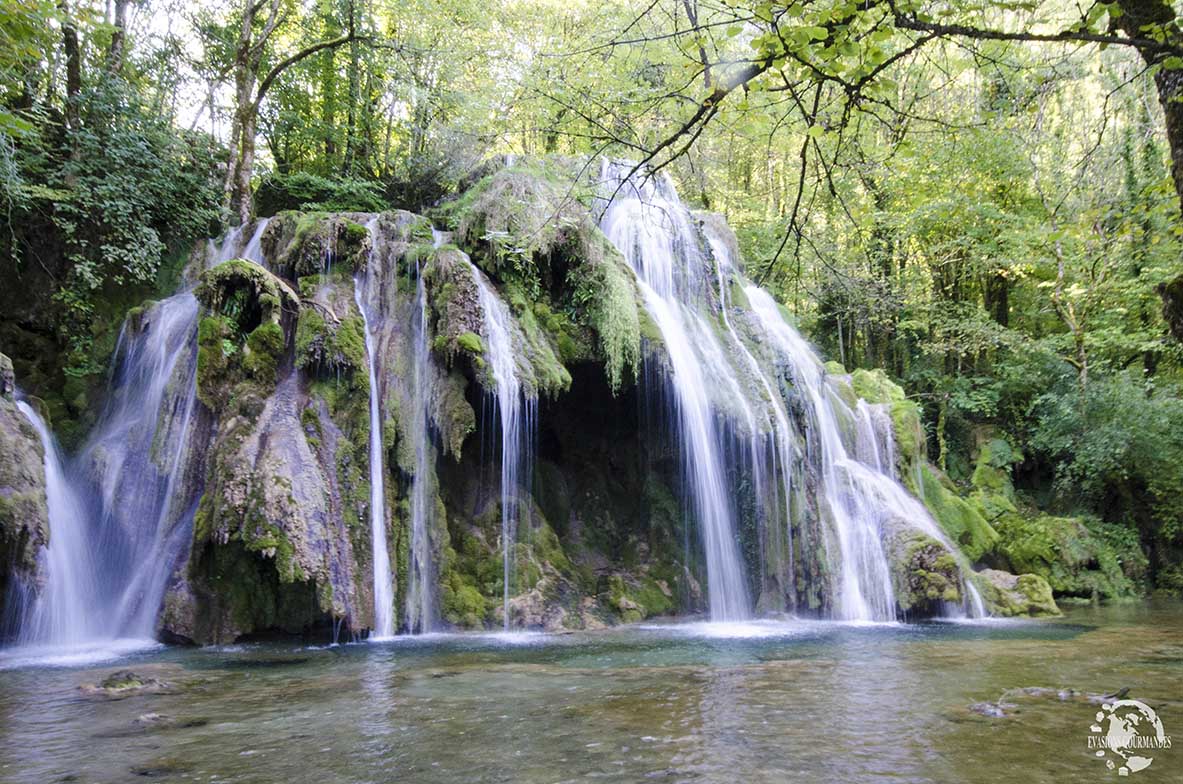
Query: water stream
[[383, 582], [514, 413], [652, 229]]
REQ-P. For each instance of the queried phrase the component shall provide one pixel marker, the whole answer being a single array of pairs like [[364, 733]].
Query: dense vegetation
[[976, 196]]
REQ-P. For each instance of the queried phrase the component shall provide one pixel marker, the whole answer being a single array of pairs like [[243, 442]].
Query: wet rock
[[924, 573], [122, 684], [24, 515], [7, 378]]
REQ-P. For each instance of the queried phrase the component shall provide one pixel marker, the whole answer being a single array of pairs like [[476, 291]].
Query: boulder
[[1011, 595]]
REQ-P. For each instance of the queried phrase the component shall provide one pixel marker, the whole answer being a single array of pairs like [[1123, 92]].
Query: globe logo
[[1125, 734]]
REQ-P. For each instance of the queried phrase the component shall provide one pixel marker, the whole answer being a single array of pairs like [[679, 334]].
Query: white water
[[513, 415], [421, 611], [64, 612], [783, 434], [652, 229], [121, 513], [862, 495], [383, 582]]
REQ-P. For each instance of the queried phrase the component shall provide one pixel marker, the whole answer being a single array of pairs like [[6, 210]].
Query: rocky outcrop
[[1010, 595], [24, 516], [925, 573]]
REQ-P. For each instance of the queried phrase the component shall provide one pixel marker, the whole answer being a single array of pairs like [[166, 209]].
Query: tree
[[260, 19]]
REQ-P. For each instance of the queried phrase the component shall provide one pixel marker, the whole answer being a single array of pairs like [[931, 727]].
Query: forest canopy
[[982, 198]]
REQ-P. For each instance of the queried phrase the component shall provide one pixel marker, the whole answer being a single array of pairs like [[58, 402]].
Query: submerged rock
[[122, 684]]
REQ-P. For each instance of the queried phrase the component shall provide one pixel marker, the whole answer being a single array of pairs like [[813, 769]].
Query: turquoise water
[[762, 702]]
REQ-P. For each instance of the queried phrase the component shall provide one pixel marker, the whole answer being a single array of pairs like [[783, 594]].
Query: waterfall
[[383, 584], [421, 580], [652, 229], [136, 459], [515, 411], [121, 513], [861, 492], [64, 612], [253, 250], [783, 434]]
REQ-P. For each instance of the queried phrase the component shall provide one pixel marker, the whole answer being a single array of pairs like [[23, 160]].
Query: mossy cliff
[[24, 516], [282, 541], [1068, 557]]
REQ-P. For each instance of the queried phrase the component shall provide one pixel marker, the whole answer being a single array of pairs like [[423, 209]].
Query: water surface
[[753, 702]]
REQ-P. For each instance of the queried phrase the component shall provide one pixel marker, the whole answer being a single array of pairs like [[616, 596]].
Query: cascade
[[365, 285], [721, 394], [783, 436], [64, 612], [126, 502], [516, 412], [121, 513], [860, 492], [421, 613], [652, 229]]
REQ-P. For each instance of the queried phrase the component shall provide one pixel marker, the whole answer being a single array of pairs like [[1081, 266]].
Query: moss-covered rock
[[327, 344], [924, 573], [1010, 595], [875, 387], [960, 519], [246, 293], [241, 336], [24, 513], [316, 243], [1078, 556]]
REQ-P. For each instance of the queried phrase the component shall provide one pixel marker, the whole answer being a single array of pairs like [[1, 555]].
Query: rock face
[[925, 573], [282, 541], [1012, 595], [24, 516]]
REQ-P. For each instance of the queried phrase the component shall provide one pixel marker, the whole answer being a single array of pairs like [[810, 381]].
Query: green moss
[[924, 573], [961, 520], [309, 243], [607, 290], [264, 350], [462, 603], [471, 343], [1074, 555], [1009, 596]]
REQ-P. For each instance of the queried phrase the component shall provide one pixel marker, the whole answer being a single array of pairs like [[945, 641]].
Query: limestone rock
[[1012, 595], [24, 514]]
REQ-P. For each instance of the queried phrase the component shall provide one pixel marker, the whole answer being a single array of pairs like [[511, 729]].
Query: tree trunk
[[1136, 14], [73, 67], [115, 54]]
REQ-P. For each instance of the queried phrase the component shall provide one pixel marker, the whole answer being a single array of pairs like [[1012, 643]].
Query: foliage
[[311, 192]]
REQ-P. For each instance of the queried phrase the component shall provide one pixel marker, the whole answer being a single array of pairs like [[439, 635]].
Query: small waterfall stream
[[651, 228], [64, 613], [515, 411], [421, 612], [383, 582], [861, 492]]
